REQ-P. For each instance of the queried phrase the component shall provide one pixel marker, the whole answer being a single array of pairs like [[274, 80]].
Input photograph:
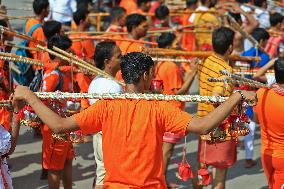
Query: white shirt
[[62, 10], [200, 8], [102, 85], [270, 79], [5, 145]]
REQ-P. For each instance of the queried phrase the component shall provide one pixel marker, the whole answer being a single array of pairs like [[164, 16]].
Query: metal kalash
[[231, 128], [28, 117]]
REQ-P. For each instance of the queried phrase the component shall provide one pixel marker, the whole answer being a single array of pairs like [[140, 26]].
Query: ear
[[145, 76], [106, 62]]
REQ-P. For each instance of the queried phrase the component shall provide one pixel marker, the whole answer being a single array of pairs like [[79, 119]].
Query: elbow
[[58, 128]]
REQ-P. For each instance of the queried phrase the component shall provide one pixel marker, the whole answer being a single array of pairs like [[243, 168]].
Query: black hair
[[236, 16], [3, 23], [190, 2], [140, 2], [222, 38], [40, 5], [279, 70], [162, 12], [258, 3], [104, 50], [134, 20], [51, 28], [275, 18], [80, 15], [203, 2], [166, 39], [260, 34], [116, 12], [134, 65], [60, 41]]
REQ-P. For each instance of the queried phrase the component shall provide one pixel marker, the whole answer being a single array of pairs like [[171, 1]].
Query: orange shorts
[[55, 152], [274, 170]]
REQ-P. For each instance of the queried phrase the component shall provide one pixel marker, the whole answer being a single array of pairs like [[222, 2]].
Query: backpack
[[27, 73]]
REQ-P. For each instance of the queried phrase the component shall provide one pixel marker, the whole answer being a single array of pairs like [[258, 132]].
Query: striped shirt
[[211, 69]]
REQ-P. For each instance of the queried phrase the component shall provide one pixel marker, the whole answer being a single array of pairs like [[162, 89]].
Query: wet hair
[[140, 2], [40, 5], [104, 50], [134, 65], [279, 70], [166, 39], [51, 28], [134, 20], [222, 38], [60, 41], [80, 15], [3, 23], [116, 12], [162, 12], [260, 34], [275, 18], [190, 2]]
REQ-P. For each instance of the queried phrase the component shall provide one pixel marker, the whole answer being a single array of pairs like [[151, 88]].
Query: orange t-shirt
[[83, 82], [270, 114], [4, 95], [172, 79], [129, 5], [127, 47], [37, 34], [85, 48], [116, 28], [188, 39], [132, 139]]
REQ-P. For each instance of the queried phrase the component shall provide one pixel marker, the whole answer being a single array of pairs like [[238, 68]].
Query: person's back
[[128, 126], [84, 48], [269, 113], [40, 8], [272, 127]]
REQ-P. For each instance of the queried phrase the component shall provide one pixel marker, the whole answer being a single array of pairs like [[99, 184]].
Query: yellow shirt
[[211, 69], [210, 21]]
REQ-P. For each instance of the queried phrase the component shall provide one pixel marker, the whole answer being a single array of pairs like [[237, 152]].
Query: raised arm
[[188, 79], [203, 125], [56, 123], [260, 74]]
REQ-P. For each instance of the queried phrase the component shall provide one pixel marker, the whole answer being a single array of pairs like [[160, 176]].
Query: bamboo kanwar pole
[[73, 57], [15, 17], [21, 47], [199, 54], [179, 13], [87, 67], [114, 39], [20, 35]]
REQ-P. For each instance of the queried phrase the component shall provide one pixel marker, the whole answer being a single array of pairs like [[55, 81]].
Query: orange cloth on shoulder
[[37, 34], [172, 79]]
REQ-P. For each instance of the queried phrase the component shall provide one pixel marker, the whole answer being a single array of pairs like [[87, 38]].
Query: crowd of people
[[133, 139]]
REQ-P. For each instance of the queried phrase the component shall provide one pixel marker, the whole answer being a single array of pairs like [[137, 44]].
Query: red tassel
[[184, 170], [21, 114], [204, 177]]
